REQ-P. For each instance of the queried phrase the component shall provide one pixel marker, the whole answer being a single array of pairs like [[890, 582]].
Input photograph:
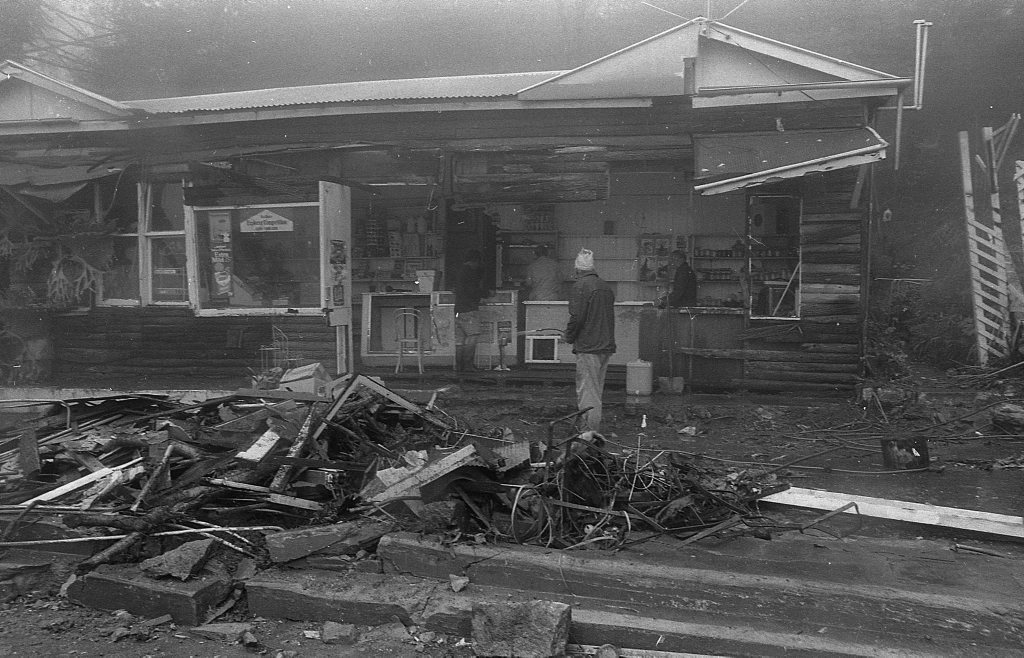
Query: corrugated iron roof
[[463, 86]]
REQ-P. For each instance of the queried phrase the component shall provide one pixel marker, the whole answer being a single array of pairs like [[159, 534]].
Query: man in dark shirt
[[591, 332], [469, 290], [684, 283]]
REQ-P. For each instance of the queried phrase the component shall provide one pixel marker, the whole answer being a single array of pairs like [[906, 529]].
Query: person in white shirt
[[542, 276]]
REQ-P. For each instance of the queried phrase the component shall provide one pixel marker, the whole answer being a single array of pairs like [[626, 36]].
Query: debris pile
[[226, 471]]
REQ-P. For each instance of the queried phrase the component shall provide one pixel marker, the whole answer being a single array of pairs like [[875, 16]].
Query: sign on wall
[[266, 221]]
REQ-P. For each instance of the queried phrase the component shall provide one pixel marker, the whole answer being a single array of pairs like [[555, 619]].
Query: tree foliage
[[22, 23]]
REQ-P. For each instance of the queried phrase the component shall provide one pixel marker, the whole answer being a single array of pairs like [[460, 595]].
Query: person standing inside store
[[469, 290], [684, 282], [591, 332], [542, 276]]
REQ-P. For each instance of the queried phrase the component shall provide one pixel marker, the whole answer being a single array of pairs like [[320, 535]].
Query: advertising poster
[[221, 257]]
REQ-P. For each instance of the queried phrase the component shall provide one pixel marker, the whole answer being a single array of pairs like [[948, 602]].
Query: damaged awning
[[33, 175], [768, 157]]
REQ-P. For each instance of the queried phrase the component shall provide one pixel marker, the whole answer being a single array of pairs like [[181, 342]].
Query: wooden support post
[[988, 269], [1018, 177]]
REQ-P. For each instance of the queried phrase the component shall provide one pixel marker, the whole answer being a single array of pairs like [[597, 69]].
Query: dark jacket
[[684, 287], [591, 328], [469, 288]]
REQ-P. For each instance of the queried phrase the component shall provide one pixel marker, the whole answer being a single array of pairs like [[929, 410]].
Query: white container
[[639, 377]]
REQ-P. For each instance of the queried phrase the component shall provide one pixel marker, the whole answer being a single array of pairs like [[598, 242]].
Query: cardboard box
[[311, 378]]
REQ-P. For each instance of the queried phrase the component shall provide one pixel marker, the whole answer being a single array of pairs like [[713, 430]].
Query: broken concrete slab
[[793, 592], [126, 587], [534, 629], [334, 633], [674, 626], [451, 615], [182, 562], [17, 578], [223, 632], [674, 637], [1008, 418], [336, 539], [364, 599]]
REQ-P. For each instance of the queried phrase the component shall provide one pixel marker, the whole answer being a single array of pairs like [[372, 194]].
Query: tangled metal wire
[[590, 496]]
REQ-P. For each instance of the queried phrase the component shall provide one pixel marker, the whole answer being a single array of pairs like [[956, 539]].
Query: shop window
[[168, 279], [148, 265], [119, 283], [773, 229], [258, 257]]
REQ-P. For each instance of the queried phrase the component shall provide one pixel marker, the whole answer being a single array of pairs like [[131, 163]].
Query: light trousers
[[590, 373]]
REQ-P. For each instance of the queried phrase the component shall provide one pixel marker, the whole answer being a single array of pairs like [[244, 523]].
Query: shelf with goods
[[381, 271], [517, 252], [392, 246], [520, 233], [720, 262]]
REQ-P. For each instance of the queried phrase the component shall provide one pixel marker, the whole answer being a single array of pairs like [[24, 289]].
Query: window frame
[[144, 239], [799, 273]]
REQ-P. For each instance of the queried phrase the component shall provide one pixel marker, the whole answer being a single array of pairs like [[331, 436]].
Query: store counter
[[545, 317]]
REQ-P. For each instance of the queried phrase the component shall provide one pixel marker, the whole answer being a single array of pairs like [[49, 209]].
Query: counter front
[[655, 335], [385, 320]]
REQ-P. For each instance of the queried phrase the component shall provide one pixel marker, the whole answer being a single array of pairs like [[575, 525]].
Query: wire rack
[[278, 353]]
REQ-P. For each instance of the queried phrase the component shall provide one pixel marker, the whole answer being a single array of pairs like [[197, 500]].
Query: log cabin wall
[[166, 342], [822, 351]]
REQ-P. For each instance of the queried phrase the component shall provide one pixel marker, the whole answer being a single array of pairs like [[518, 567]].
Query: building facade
[[228, 231]]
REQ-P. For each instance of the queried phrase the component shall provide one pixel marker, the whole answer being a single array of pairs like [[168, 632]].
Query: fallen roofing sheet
[[765, 157]]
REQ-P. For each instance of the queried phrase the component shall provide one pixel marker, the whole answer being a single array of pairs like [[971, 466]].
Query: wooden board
[[899, 510], [63, 490]]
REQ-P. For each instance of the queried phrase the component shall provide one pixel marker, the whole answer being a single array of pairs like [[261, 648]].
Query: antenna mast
[[707, 9]]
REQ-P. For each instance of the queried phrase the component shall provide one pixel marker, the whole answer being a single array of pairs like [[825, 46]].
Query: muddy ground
[[823, 443]]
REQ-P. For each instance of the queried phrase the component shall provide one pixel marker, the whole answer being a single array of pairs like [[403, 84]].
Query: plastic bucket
[[639, 377]]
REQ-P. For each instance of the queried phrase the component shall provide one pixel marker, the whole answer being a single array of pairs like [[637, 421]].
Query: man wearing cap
[[591, 332]]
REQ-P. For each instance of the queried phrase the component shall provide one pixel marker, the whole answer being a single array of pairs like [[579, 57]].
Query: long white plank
[[74, 485], [901, 510]]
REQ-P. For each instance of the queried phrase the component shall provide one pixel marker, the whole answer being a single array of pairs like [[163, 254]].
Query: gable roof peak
[[12, 69]]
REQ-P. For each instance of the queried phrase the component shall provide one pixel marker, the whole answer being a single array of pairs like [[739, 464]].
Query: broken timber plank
[[278, 394], [280, 499], [28, 453], [79, 483], [323, 464], [362, 381], [292, 501], [260, 448], [899, 510], [409, 486], [302, 442]]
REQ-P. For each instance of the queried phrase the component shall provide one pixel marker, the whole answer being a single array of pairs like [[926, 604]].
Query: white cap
[[585, 259]]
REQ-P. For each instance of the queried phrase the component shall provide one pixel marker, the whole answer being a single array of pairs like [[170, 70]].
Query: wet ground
[[822, 444]]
